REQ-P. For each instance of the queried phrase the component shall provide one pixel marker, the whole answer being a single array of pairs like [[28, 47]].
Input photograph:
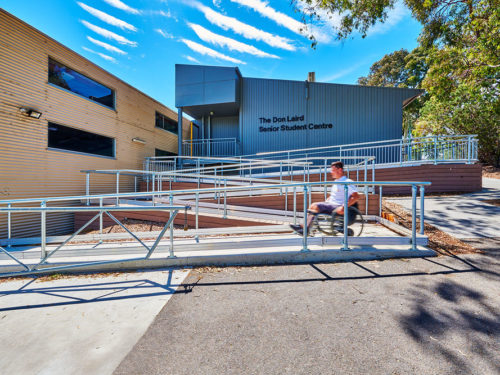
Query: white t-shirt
[[337, 193]]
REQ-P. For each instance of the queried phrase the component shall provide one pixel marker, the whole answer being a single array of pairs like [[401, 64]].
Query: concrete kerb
[[226, 260]]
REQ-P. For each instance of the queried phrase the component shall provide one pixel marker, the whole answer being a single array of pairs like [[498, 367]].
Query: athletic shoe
[[297, 228]]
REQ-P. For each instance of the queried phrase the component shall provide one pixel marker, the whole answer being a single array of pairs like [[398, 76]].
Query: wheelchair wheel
[[323, 223], [355, 224]]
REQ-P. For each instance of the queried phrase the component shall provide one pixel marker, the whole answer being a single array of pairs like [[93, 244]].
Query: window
[[166, 123], [66, 138], [68, 79], [159, 152]]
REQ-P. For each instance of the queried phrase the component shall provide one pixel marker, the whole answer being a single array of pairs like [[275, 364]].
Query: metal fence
[[211, 147], [11, 207], [434, 149]]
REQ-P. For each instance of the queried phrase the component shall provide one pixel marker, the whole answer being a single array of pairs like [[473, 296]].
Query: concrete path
[[465, 216], [418, 316], [78, 324]]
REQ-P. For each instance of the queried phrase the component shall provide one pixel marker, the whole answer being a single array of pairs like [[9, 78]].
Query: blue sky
[[140, 41]]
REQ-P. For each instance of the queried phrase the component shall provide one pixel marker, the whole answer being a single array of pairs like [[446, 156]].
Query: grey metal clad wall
[[199, 85], [333, 114], [225, 127], [263, 98]]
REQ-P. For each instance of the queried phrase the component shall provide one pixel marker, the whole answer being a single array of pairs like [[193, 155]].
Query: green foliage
[[457, 62]]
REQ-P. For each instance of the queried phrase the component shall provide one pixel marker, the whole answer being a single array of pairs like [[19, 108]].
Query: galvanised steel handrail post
[[346, 201], [197, 201], [326, 171], [469, 147], [380, 201], [281, 176], [305, 229], [215, 183], [43, 231], [295, 205], [422, 192], [225, 197], [366, 188], [100, 220], [87, 186], [435, 150], [286, 202], [400, 152], [171, 249], [413, 217], [9, 226], [117, 188]]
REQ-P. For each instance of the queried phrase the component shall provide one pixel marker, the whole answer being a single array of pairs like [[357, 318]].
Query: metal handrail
[[211, 146], [471, 136], [44, 255], [304, 187]]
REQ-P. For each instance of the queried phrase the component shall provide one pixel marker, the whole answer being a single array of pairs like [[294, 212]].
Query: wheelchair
[[333, 224]]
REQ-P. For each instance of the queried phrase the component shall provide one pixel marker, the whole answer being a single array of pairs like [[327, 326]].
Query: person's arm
[[353, 198]]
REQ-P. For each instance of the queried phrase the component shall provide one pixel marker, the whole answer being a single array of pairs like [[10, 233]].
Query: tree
[[389, 71], [457, 63], [400, 69]]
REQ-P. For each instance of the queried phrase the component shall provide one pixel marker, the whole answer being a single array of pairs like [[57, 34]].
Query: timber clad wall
[[27, 167], [445, 178]]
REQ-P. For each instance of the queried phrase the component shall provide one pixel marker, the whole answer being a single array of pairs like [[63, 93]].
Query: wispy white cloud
[[222, 41], [343, 72], [109, 34], [394, 16], [164, 33], [192, 59], [107, 18], [201, 49], [107, 46], [121, 5], [282, 19], [243, 29], [324, 22], [105, 57], [167, 14]]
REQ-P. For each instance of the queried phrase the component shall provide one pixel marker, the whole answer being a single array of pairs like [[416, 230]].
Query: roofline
[[215, 66]]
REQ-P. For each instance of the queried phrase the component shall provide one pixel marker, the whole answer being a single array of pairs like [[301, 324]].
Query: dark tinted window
[[66, 138], [159, 152], [166, 123], [68, 79]]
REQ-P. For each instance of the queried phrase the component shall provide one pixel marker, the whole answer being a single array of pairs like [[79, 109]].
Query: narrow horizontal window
[[66, 138], [166, 123], [68, 79], [159, 152]]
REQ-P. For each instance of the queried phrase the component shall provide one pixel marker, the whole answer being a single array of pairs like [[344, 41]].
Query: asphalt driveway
[[418, 316]]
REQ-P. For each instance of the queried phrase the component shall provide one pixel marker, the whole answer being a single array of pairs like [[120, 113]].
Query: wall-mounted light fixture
[[138, 140], [30, 112]]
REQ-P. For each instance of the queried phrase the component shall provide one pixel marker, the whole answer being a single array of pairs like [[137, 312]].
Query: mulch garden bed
[[439, 241]]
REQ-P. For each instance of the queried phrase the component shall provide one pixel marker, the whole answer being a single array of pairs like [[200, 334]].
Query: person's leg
[[299, 228], [312, 208]]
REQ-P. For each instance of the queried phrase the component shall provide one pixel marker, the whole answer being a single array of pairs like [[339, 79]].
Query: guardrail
[[222, 192], [433, 149], [44, 255], [211, 147], [237, 171]]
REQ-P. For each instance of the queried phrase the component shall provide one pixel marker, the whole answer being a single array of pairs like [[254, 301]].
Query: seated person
[[335, 201]]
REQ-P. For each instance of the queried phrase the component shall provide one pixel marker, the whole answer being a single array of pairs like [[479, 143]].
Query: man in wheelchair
[[335, 202]]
